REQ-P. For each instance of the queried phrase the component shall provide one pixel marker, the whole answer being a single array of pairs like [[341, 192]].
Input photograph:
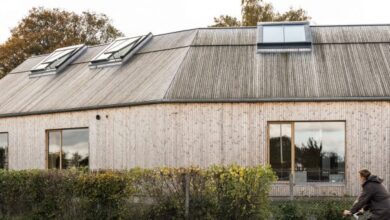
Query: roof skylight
[[119, 51], [284, 37], [57, 60]]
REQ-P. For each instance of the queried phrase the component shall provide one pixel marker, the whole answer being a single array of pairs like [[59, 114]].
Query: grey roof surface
[[212, 65]]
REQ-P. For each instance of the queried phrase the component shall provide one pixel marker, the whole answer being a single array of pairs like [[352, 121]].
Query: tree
[[253, 11], [44, 30]]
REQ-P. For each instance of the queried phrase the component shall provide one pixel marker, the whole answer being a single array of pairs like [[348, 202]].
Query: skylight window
[[119, 51], [284, 37], [57, 60]]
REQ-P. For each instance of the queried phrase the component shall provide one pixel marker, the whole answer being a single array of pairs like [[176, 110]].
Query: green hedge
[[231, 192], [311, 208]]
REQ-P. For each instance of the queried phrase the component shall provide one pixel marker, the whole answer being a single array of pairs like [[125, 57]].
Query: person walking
[[374, 197]]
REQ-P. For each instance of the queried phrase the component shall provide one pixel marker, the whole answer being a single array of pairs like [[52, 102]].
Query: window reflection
[[319, 151], [68, 148], [280, 149], [75, 148], [3, 150], [54, 149]]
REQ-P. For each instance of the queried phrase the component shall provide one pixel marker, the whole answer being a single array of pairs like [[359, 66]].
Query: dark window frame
[[61, 130], [292, 123]]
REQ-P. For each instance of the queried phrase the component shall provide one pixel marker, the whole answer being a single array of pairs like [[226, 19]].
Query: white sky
[[136, 17]]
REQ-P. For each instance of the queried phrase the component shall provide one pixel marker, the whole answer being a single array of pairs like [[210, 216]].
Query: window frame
[[60, 130], [292, 123], [77, 51], [138, 44], [280, 47], [6, 150]]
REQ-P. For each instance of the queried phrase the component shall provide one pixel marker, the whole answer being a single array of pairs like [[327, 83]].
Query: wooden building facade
[[207, 96]]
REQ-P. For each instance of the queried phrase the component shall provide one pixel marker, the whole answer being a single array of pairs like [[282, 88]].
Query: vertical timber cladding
[[206, 134]]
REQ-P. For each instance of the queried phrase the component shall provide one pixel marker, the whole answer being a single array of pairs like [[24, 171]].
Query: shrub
[[311, 208], [231, 192]]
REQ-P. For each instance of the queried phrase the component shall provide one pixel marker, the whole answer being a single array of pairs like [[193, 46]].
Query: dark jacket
[[374, 196]]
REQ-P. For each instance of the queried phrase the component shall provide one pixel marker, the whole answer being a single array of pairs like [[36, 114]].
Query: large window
[[276, 37], [315, 150], [68, 148], [3, 150]]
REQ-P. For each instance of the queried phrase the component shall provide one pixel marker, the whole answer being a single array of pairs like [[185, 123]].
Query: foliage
[[254, 11], [241, 193], [231, 192], [44, 30], [311, 208]]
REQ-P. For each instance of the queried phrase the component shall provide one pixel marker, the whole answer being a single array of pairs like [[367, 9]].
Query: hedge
[[218, 192], [231, 192], [316, 208]]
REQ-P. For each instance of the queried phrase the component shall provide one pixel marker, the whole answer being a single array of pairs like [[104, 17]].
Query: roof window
[[119, 51], [284, 37], [57, 60]]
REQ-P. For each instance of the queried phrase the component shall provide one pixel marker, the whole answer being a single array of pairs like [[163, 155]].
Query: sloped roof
[[212, 65]]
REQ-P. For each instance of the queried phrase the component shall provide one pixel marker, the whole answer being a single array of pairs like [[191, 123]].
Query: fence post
[[291, 182], [187, 195]]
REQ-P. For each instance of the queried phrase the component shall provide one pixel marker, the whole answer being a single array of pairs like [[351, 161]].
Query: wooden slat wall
[[329, 71], [206, 134]]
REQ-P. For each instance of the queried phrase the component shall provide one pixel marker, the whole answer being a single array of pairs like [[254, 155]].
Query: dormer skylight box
[[57, 60], [274, 37], [119, 51]]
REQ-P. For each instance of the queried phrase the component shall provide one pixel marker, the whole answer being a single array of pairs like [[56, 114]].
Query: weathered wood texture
[[347, 62], [206, 134]]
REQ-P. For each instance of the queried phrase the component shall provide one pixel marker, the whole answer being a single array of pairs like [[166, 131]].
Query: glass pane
[[123, 51], [54, 149], [273, 34], [75, 148], [61, 60], [41, 66], [3, 150], [320, 151], [56, 55], [120, 44], [294, 33], [280, 149], [103, 56]]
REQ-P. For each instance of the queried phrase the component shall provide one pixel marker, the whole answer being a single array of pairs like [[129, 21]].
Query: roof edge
[[204, 101]]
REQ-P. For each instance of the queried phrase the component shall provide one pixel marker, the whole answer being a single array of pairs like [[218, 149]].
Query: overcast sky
[[136, 17]]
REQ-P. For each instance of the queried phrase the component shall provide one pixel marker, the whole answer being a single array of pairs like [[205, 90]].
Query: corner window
[[3, 150], [68, 148], [315, 151], [284, 37]]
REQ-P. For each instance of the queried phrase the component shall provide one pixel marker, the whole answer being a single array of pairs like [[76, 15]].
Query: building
[[311, 98]]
